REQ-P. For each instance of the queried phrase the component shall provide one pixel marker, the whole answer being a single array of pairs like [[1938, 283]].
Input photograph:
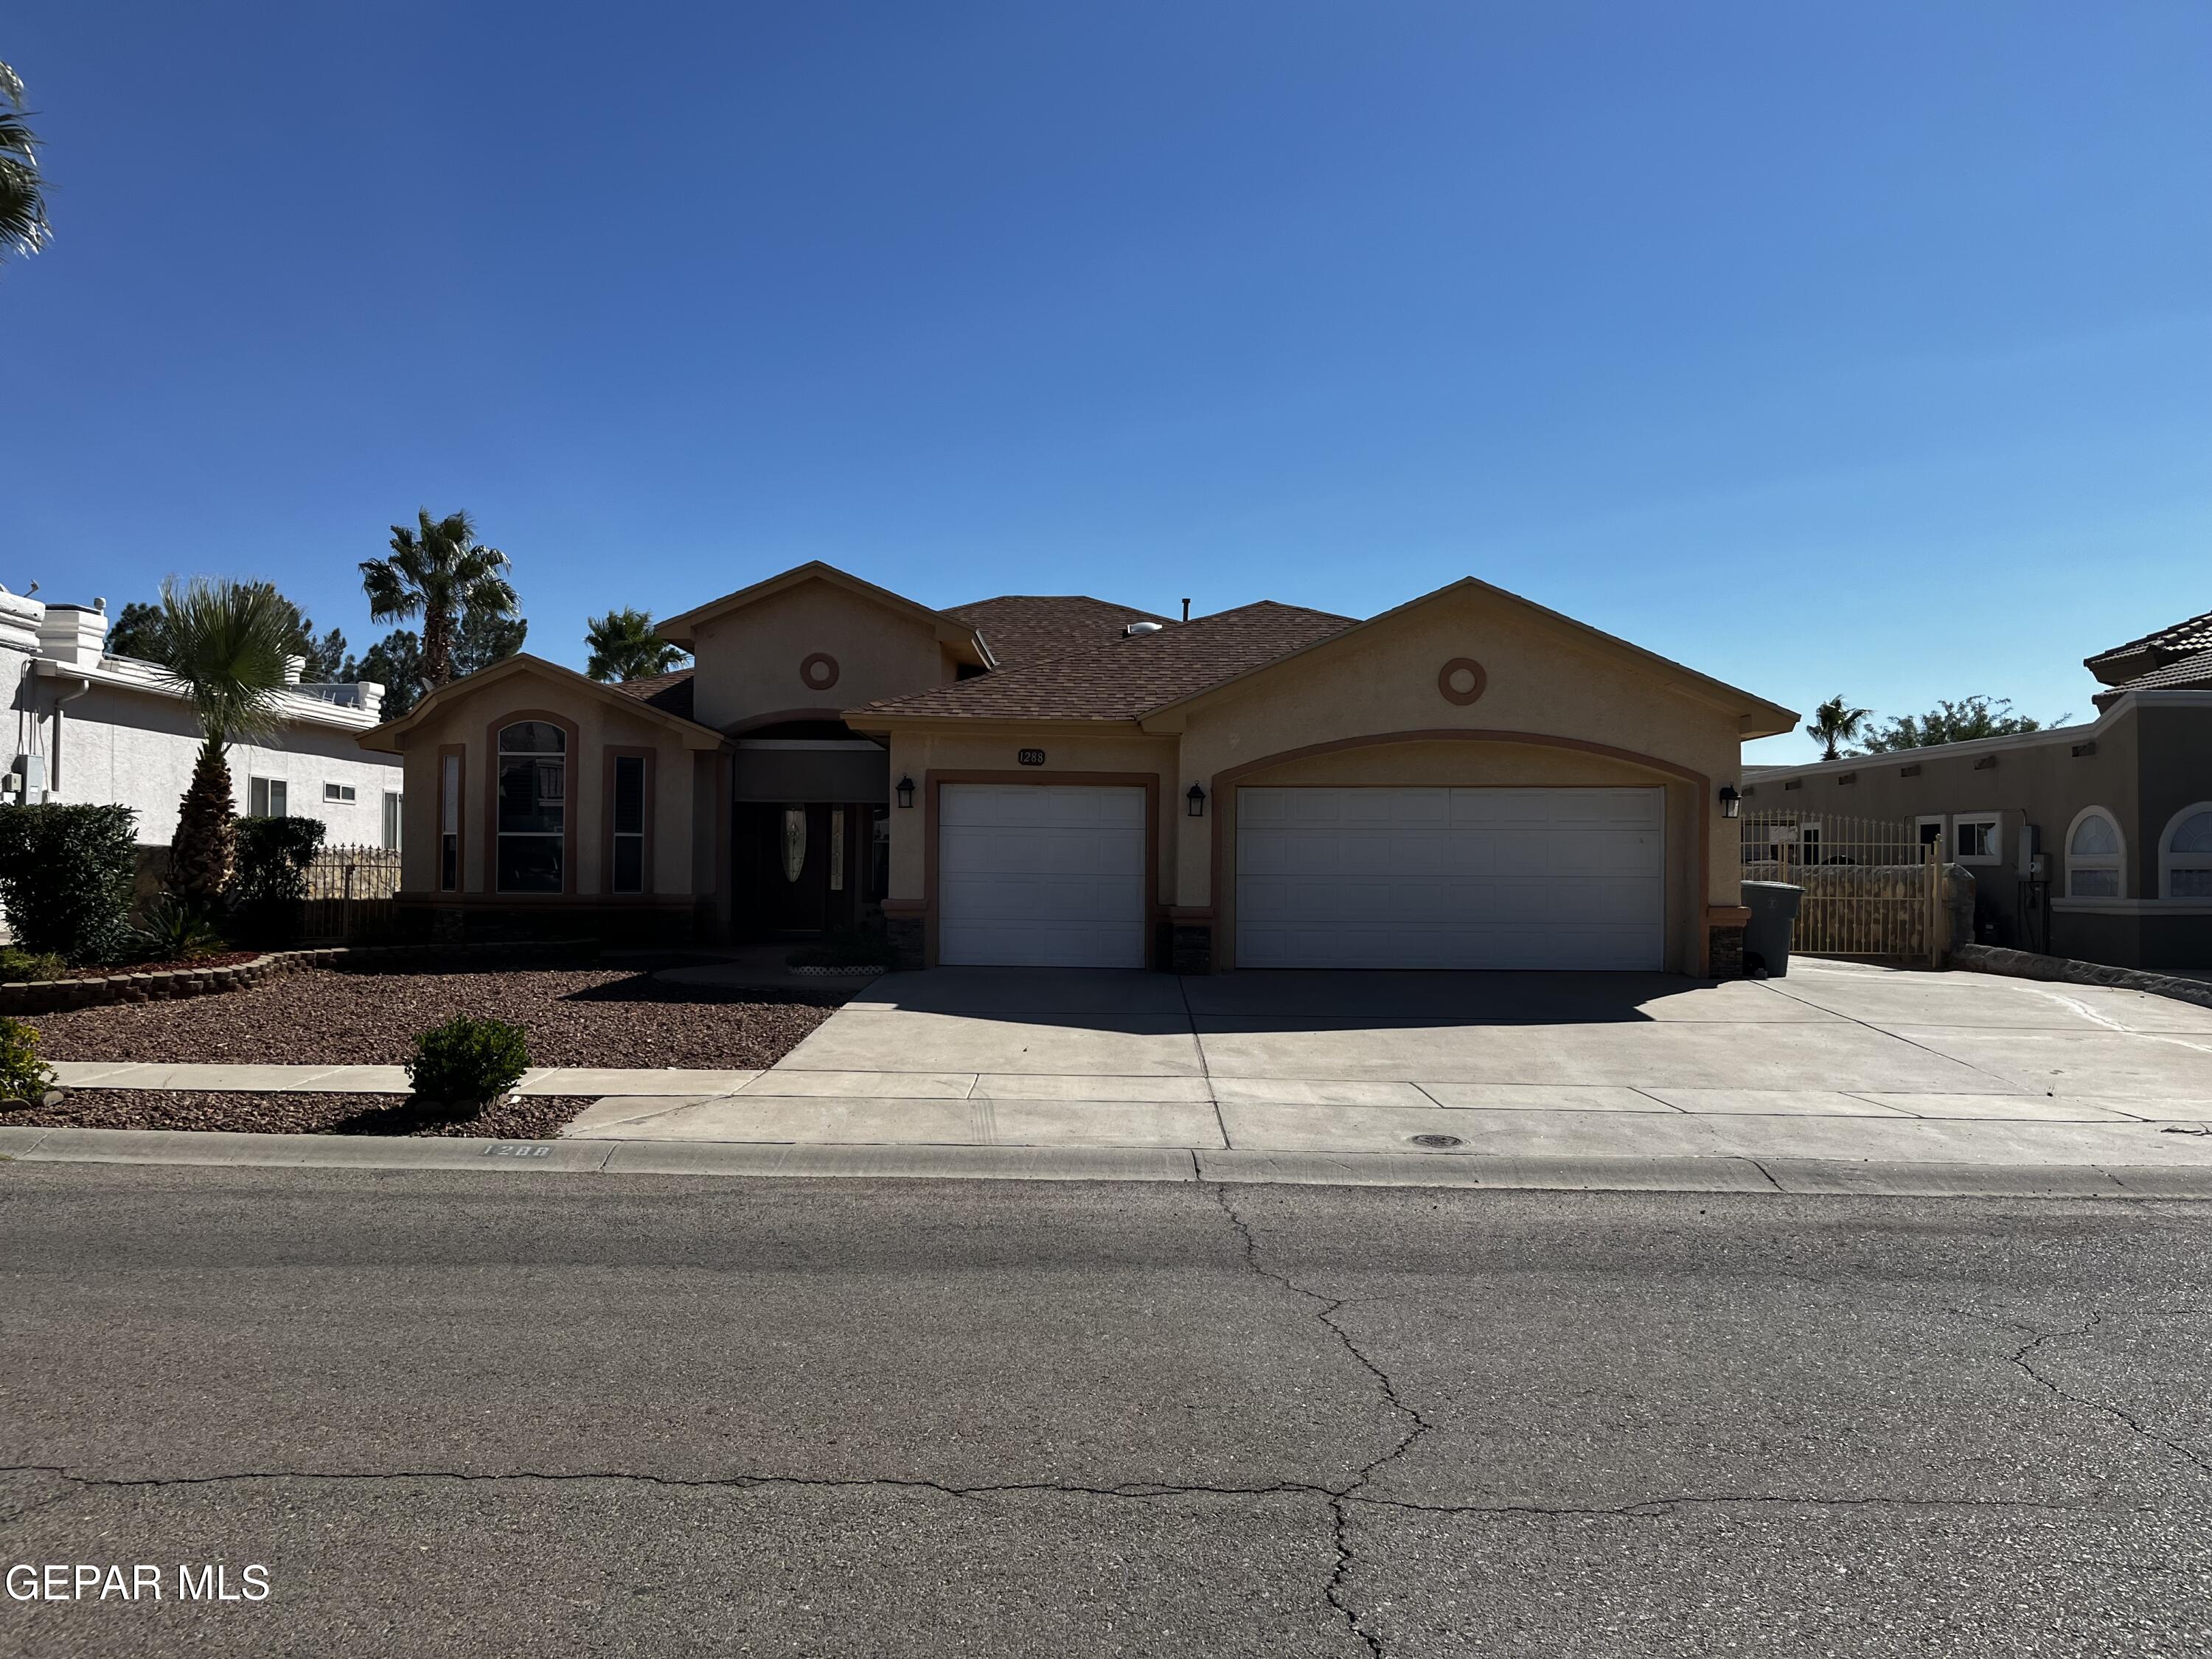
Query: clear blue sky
[[1826, 346]]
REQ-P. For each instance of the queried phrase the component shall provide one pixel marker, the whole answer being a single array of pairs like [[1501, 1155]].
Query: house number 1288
[[1030, 758]]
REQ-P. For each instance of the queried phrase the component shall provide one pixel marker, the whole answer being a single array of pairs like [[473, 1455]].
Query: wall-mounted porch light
[[1731, 803], [906, 791], [1196, 797]]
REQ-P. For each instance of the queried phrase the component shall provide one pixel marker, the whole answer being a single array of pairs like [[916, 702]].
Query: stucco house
[[1467, 780], [2093, 841], [112, 731]]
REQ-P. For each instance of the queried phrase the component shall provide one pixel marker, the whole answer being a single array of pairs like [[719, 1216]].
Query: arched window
[[533, 806], [2184, 854], [2094, 855]]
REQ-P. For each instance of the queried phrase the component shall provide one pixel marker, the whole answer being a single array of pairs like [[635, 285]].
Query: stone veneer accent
[[1190, 947], [1725, 952], [905, 933]]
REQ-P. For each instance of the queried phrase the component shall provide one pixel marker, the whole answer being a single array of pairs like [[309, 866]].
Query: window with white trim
[[2185, 857], [1975, 838], [2093, 855], [266, 797], [532, 800], [338, 792], [393, 811]]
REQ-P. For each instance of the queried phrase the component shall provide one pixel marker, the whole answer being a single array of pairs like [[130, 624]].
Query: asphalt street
[[453, 1414]]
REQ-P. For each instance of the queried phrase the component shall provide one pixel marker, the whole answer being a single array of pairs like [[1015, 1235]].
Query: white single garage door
[[1451, 878], [1041, 875]]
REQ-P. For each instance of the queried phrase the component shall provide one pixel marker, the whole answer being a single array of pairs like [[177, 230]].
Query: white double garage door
[[1048, 875]]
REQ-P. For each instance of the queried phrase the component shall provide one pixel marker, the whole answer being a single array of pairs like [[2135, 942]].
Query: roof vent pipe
[[1135, 628], [1186, 610]]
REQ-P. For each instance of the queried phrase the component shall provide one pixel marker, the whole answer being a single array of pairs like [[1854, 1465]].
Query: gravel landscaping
[[533, 1117], [576, 1016]]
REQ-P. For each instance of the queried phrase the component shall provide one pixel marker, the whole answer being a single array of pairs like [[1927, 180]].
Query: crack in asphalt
[[2020, 1358], [1139, 1491], [1325, 1310]]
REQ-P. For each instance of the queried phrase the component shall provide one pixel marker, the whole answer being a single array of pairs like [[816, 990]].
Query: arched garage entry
[[1460, 849]]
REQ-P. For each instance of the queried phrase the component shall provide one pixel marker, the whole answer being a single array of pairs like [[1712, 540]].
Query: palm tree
[[442, 574], [1836, 723], [23, 227], [227, 644], [625, 647]]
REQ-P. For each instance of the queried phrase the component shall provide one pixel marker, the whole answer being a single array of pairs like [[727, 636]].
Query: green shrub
[[176, 930], [66, 874], [21, 1077], [847, 947], [468, 1063], [270, 887], [16, 965]]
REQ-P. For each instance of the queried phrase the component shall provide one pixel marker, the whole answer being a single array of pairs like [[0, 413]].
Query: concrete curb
[[2065, 970], [1804, 1177]]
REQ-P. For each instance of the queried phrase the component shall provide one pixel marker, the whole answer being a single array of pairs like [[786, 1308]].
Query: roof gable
[[2123, 663], [683, 629], [522, 665], [1757, 716]]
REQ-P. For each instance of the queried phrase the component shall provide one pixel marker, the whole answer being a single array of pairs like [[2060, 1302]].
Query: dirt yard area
[[576, 1016]]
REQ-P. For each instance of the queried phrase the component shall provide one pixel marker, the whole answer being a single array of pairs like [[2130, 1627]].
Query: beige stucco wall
[[1070, 752], [601, 724], [1543, 679], [748, 662]]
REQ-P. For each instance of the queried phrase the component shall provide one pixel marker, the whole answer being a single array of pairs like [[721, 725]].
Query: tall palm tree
[[442, 574], [625, 647], [23, 227], [227, 644], [1836, 723]]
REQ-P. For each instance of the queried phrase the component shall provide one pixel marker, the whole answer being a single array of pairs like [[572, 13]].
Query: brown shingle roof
[[1128, 677], [670, 693], [1026, 627], [2152, 650]]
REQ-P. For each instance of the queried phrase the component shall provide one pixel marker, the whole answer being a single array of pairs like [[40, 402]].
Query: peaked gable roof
[[1759, 717], [1025, 627], [683, 629], [1128, 677], [385, 737]]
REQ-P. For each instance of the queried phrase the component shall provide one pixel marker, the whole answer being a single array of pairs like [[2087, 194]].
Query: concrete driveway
[[1839, 1061]]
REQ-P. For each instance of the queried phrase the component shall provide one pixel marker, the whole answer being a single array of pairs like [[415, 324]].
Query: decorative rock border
[[48, 996], [2064, 970]]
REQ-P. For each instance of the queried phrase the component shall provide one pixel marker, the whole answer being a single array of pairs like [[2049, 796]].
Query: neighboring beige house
[[2093, 841], [1468, 781]]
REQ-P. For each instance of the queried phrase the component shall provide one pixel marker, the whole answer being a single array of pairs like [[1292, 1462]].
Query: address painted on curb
[[518, 1149]]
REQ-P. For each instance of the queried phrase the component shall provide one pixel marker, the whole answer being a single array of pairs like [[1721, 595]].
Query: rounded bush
[[465, 1064]]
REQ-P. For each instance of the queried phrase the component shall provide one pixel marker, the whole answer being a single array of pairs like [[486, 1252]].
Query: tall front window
[[449, 824], [533, 806], [630, 823]]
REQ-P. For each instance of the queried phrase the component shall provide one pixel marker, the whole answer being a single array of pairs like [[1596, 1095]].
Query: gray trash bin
[[1773, 907]]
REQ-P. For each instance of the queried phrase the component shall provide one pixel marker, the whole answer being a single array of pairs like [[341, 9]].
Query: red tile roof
[[1128, 677], [1026, 627]]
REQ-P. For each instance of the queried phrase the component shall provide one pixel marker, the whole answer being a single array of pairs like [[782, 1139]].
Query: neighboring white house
[[105, 730]]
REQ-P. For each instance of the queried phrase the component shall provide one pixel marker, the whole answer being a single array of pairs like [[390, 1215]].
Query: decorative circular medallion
[[819, 671], [1461, 680]]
